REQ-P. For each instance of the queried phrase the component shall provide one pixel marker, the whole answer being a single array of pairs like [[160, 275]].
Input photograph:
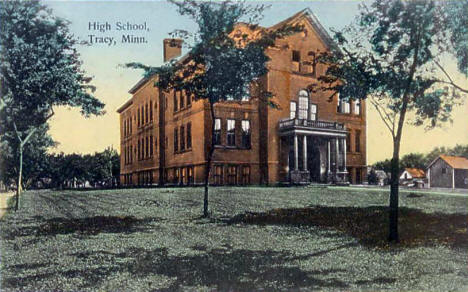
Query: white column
[[453, 178], [296, 154], [337, 151], [344, 153], [329, 161], [429, 178], [305, 153]]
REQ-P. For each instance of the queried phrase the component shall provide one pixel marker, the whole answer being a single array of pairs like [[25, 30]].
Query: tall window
[[292, 109], [190, 175], [357, 107], [189, 135], [246, 96], [176, 140], [313, 112], [357, 141], [151, 110], [182, 138], [142, 115], [182, 100], [231, 132], [139, 150], [146, 113], [217, 132], [151, 146], [245, 175], [296, 56], [303, 105], [147, 147], [175, 101], [189, 98], [131, 124], [344, 106], [138, 117], [245, 133], [131, 153], [232, 174], [218, 175], [348, 141]]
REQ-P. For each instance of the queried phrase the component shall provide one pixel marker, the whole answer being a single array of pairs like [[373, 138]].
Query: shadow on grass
[[220, 269], [370, 225], [83, 226]]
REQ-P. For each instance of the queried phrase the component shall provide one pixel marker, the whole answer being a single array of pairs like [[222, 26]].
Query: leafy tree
[[393, 56], [39, 69], [205, 75]]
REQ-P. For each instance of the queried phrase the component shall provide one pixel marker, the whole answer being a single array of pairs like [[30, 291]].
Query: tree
[[39, 69], [393, 55], [204, 74]]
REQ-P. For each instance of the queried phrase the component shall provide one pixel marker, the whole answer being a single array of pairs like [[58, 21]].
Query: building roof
[[416, 172], [311, 17], [125, 105], [457, 162]]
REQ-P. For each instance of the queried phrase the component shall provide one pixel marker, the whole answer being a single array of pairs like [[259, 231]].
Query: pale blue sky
[[77, 134]]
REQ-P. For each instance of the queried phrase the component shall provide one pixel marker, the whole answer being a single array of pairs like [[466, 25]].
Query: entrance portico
[[316, 151]]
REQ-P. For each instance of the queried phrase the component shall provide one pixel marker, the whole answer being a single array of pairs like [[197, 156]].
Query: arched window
[[303, 111]]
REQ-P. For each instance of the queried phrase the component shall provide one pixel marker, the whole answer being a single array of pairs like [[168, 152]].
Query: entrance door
[[313, 159]]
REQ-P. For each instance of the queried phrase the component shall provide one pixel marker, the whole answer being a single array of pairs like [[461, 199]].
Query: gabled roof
[[314, 21], [456, 162], [416, 172]]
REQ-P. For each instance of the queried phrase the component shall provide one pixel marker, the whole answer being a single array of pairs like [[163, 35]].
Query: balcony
[[311, 127]]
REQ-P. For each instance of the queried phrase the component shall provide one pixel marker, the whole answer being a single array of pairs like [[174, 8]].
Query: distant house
[[413, 176], [448, 172]]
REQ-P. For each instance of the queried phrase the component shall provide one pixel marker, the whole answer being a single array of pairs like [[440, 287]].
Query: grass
[[271, 239]]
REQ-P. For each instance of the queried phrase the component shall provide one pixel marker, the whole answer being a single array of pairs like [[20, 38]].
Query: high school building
[[165, 135]]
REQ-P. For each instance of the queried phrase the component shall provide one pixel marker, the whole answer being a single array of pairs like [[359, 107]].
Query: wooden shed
[[448, 172]]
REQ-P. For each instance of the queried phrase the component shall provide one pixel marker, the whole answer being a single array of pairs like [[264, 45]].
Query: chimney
[[172, 49]]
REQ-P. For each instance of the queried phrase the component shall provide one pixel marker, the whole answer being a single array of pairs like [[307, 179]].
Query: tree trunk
[[206, 213], [393, 211], [20, 177]]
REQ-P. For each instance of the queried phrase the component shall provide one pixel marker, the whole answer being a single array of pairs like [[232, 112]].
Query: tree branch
[[377, 107], [450, 82]]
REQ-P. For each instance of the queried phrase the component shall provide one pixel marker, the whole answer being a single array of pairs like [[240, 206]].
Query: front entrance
[[313, 161]]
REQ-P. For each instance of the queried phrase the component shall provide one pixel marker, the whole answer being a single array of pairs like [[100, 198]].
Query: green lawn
[[268, 239]]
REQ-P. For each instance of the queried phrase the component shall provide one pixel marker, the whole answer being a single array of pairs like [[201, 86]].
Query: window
[[357, 107], [313, 112], [182, 100], [151, 110], [357, 141], [184, 176], [176, 140], [344, 106], [296, 56], [176, 175], [246, 134], [189, 136], [246, 96], [131, 153], [245, 175], [147, 147], [190, 175], [125, 128], [348, 141], [139, 153], [182, 138], [231, 132], [218, 175], [292, 109], [189, 99], [303, 105], [138, 117], [444, 170], [151, 146], [146, 113], [232, 174], [217, 132], [131, 125], [142, 115], [175, 101]]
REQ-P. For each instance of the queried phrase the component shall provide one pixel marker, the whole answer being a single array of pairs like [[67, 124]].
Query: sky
[[102, 61]]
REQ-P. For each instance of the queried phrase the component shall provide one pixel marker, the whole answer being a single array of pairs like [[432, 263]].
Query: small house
[[448, 172], [412, 177]]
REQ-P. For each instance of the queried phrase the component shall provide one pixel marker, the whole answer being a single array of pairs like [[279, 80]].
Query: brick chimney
[[172, 49]]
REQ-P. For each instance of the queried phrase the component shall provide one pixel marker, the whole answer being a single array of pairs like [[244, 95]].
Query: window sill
[[230, 147]]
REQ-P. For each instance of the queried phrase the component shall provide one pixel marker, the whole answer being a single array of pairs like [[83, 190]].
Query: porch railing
[[291, 123]]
